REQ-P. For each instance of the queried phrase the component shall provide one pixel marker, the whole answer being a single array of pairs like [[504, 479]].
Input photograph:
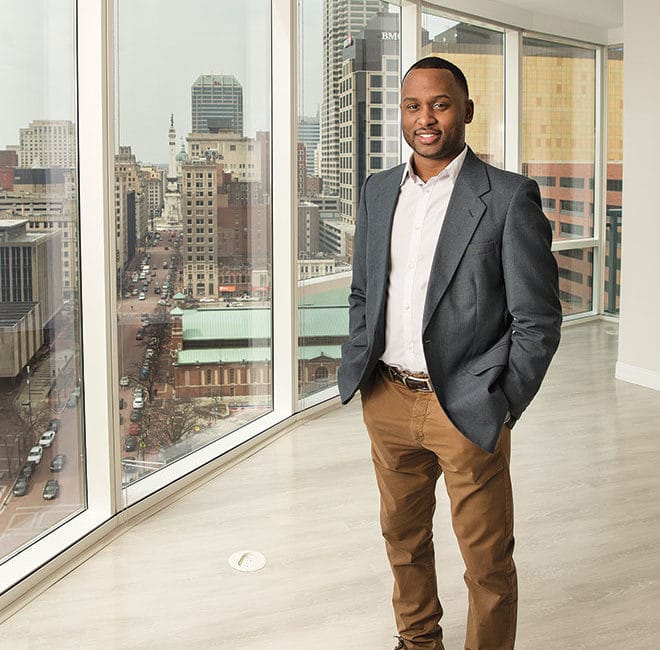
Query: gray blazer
[[492, 315]]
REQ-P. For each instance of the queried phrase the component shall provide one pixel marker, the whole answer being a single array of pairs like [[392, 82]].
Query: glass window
[[558, 142], [558, 124], [336, 74], [614, 201], [575, 280], [42, 441], [479, 52], [182, 338]]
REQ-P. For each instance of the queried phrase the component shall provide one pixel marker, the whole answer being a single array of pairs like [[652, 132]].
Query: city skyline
[[155, 67]]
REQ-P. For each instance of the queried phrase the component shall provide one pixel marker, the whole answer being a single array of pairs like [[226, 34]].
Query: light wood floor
[[586, 471]]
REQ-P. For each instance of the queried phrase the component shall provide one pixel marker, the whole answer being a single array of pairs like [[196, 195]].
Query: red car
[[134, 429]]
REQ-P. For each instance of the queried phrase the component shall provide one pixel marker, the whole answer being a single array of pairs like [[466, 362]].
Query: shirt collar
[[451, 170]]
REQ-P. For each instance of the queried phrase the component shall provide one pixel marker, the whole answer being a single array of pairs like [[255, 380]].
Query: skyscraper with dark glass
[[217, 104]]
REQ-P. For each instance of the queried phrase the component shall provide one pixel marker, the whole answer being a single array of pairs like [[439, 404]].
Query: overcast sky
[[36, 64], [162, 47]]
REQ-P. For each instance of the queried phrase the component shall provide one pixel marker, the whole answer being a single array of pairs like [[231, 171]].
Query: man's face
[[434, 112]]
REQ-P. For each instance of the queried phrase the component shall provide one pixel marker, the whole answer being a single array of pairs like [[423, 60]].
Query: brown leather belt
[[418, 381]]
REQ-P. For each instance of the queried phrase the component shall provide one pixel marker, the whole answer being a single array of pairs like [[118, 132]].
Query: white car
[[124, 381], [35, 454], [149, 353], [141, 296], [46, 439], [138, 402]]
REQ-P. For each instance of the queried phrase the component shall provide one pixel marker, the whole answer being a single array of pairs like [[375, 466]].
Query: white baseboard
[[637, 375]]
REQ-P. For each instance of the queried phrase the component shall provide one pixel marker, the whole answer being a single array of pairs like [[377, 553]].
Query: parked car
[[27, 470], [54, 425], [124, 381], [157, 290], [58, 463], [134, 292], [51, 489], [21, 486], [138, 403], [141, 296], [139, 335], [47, 438], [35, 454], [144, 374], [130, 443], [134, 429], [149, 353], [136, 416]]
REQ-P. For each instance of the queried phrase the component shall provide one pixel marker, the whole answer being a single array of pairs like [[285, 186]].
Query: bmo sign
[[389, 36]]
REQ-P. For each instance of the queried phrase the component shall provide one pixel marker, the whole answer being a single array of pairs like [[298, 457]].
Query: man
[[454, 318]]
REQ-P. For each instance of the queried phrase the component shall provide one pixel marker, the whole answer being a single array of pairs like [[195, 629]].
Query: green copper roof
[[237, 323]]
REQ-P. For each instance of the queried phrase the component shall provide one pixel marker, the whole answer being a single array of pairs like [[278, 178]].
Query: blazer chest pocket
[[481, 248]]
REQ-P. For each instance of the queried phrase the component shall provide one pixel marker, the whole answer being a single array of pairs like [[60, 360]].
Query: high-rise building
[[30, 291], [369, 115], [48, 143], [342, 19], [217, 104], [309, 133], [46, 199], [131, 212], [200, 243]]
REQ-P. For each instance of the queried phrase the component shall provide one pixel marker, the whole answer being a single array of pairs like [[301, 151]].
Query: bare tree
[[173, 421]]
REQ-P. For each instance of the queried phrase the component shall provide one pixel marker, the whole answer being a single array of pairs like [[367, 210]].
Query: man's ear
[[469, 111]]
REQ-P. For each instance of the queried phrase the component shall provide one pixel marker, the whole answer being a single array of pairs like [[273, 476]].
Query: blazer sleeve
[[357, 327], [532, 294], [355, 351]]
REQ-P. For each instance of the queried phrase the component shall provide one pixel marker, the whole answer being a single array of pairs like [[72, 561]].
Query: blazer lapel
[[464, 212], [381, 213]]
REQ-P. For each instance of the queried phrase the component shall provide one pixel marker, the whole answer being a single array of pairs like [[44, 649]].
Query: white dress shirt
[[418, 219]]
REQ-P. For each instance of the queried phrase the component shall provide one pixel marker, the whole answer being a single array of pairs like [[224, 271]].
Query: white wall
[[639, 343]]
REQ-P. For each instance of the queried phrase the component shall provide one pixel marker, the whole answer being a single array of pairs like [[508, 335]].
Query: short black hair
[[440, 64]]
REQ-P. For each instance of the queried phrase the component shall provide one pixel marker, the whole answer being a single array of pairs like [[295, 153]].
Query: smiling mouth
[[427, 138]]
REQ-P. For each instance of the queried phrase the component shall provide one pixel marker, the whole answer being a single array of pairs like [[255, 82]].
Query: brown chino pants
[[412, 443]]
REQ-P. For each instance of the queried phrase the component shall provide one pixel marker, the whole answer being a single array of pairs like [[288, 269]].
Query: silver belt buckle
[[425, 382]]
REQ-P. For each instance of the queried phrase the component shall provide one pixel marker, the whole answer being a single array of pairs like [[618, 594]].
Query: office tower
[[369, 137], [46, 200], [47, 143], [30, 291], [217, 104], [309, 133], [199, 181], [341, 20]]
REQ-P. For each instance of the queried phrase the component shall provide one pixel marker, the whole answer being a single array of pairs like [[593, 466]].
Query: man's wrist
[[510, 420]]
